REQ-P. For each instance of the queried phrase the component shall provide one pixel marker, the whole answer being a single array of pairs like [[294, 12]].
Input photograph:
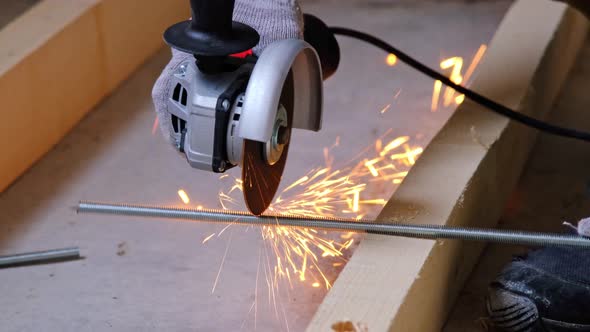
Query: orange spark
[[208, 238], [298, 182], [221, 264], [379, 201], [355, 201], [412, 153], [396, 143], [155, 126], [436, 95], [391, 60], [379, 145], [475, 62], [370, 165], [183, 196], [456, 65], [408, 157]]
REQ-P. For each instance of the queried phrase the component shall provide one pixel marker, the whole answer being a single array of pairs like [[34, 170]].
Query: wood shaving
[[477, 139], [348, 326]]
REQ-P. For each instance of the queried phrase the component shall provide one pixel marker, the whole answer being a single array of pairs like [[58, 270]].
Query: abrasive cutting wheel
[[263, 163]]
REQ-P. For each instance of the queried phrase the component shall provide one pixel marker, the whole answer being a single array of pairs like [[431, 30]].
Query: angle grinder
[[230, 108]]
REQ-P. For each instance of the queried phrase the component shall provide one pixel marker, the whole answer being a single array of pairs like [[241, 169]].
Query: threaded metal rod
[[432, 232], [39, 257]]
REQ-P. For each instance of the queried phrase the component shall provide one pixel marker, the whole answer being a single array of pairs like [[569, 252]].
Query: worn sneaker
[[547, 290]]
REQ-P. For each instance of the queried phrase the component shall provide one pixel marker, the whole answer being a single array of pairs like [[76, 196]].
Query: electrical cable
[[476, 97]]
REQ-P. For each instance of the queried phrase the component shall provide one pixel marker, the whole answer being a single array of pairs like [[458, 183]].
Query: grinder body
[[212, 113], [228, 111]]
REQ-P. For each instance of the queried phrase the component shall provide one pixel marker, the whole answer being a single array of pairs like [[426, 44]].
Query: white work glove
[[272, 19], [584, 227]]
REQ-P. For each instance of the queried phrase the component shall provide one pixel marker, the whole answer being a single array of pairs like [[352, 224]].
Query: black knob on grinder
[[211, 31], [322, 39]]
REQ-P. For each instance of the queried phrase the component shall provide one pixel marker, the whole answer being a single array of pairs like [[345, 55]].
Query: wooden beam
[[463, 178], [60, 58]]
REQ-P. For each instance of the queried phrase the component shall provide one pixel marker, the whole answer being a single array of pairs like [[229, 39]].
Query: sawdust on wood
[[477, 138], [348, 326]]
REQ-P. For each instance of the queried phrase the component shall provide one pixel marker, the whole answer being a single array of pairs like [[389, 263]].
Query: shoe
[[547, 290]]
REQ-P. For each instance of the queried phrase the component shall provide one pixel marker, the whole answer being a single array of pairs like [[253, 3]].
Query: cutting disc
[[260, 179]]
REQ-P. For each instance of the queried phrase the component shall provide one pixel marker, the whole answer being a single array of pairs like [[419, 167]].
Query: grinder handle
[[212, 16]]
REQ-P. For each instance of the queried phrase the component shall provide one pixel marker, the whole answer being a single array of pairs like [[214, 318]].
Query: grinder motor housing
[[211, 113]]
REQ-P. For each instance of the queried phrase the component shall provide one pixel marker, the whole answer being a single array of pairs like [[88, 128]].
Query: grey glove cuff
[[584, 227], [273, 19], [161, 90]]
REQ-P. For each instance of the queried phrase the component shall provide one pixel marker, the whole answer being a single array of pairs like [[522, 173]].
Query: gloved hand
[[273, 20]]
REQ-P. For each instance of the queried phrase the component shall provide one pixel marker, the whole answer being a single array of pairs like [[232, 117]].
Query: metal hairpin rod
[[40, 257], [347, 225]]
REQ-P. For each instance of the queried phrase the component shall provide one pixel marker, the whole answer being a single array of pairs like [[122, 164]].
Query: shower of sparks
[[358, 188], [455, 65], [298, 254], [310, 257]]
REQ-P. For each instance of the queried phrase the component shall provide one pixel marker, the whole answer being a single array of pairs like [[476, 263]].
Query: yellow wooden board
[[60, 58]]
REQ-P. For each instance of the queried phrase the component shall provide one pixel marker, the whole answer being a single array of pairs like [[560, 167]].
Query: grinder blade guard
[[227, 111]]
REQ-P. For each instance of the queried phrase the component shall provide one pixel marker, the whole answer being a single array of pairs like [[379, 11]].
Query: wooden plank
[[52, 45], [59, 59], [132, 32], [463, 178]]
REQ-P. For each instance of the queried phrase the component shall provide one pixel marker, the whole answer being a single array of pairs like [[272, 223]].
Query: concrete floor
[[164, 278], [555, 187]]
